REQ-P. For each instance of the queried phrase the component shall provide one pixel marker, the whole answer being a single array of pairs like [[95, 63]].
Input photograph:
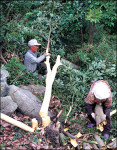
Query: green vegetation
[[83, 32]]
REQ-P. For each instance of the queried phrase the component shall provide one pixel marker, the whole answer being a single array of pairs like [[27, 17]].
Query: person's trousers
[[90, 109], [41, 68]]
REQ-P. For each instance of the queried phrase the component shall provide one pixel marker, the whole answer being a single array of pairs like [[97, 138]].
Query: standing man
[[31, 61], [100, 92]]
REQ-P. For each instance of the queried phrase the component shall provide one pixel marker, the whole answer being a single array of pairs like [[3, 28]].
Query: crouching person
[[31, 61], [100, 92]]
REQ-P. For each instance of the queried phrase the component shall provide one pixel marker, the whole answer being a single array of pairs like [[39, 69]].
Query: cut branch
[[99, 141], [16, 123], [56, 119], [68, 113]]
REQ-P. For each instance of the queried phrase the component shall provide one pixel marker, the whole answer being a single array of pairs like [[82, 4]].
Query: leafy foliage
[[18, 73], [72, 85]]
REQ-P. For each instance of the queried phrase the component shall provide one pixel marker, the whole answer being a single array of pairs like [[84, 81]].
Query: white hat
[[101, 90], [33, 42]]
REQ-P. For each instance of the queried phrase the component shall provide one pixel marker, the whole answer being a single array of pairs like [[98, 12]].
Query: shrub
[[18, 74], [72, 86]]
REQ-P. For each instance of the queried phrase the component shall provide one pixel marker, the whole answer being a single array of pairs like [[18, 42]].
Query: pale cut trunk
[[16, 123], [49, 81]]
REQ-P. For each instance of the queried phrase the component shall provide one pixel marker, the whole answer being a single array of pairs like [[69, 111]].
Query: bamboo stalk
[[16, 123]]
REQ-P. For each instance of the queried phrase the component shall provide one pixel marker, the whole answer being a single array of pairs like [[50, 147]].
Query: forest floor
[[14, 138]]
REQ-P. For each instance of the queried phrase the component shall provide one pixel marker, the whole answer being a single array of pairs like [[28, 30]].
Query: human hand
[[105, 116], [47, 54], [93, 115]]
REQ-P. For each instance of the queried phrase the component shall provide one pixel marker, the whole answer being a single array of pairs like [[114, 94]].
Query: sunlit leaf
[[78, 135], [66, 129], [95, 142], [73, 142]]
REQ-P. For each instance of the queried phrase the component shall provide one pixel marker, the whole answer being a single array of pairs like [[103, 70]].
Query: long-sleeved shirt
[[91, 99], [31, 60]]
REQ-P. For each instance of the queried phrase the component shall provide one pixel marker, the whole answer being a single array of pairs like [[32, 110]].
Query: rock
[[8, 106], [4, 74], [27, 103], [4, 86], [40, 89], [73, 65]]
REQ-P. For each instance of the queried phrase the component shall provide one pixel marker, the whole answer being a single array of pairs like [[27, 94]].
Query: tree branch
[[1, 56]]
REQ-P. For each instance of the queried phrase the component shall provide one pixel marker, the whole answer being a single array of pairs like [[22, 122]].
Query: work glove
[[93, 115]]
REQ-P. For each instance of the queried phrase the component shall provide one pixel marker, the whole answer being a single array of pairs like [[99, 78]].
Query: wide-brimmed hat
[[101, 91], [33, 42]]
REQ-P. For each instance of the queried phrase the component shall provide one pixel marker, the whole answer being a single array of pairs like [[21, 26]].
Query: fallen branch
[[95, 147], [113, 144], [14, 80], [75, 137], [56, 119], [68, 113], [16, 123], [99, 141], [68, 134], [86, 146]]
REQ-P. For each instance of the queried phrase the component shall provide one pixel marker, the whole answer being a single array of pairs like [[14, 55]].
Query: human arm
[[89, 108], [32, 59], [89, 103], [107, 106]]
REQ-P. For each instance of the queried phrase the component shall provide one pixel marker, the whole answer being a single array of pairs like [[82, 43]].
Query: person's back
[[28, 61]]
